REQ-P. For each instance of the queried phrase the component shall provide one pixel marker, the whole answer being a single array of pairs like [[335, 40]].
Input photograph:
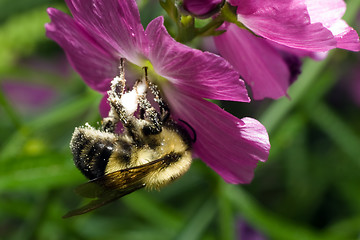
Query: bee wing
[[114, 185], [99, 202]]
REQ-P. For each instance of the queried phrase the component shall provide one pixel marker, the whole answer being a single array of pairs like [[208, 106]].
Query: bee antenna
[[192, 129]]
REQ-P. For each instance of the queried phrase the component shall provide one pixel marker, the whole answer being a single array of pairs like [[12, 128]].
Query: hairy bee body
[[151, 151], [97, 153]]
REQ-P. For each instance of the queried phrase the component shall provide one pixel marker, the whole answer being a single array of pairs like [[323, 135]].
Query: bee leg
[[109, 123], [153, 117]]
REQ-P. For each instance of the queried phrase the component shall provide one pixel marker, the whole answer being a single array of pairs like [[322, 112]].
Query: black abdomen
[[91, 155]]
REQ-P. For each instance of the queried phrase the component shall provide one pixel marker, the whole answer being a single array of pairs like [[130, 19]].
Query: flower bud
[[202, 8]]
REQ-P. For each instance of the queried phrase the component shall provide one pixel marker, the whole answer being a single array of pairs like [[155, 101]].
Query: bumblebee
[[151, 151]]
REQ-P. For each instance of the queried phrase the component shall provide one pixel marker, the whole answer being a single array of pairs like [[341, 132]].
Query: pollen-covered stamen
[[117, 113], [164, 109], [147, 111], [129, 101], [124, 104]]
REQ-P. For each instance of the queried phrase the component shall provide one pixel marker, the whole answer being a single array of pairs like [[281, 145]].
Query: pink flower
[[101, 33], [28, 98], [304, 27], [304, 24], [247, 232], [265, 68]]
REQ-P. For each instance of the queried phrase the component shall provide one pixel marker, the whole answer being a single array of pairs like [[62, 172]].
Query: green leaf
[[269, 223], [153, 211], [226, 220], [198, 223], [38, 172], [336, 129]]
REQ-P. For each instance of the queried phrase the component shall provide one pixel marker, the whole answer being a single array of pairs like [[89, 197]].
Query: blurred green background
[[308, 189]]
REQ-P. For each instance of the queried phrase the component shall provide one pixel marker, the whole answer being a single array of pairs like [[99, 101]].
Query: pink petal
[[198, 73], [247, 232], [233, 2], [285, 22], [346, 37], [299, 52], [257, 62], [329, 13], [28, 97], [104, 107], [95, 65], [114, 23], [230, 146]]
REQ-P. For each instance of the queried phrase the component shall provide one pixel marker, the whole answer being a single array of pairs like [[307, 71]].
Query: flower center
[[153, 76]]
